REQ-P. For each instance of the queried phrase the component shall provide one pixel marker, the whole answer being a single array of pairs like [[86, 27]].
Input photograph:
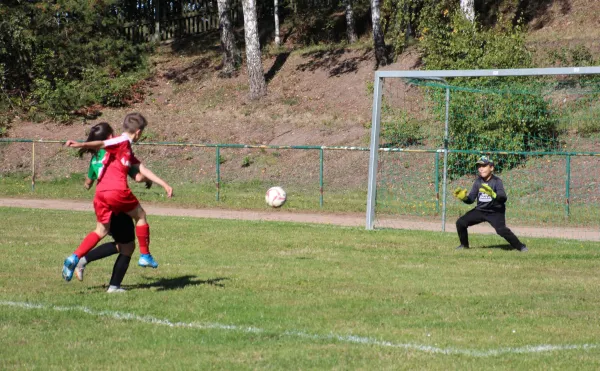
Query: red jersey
[[119, 158]]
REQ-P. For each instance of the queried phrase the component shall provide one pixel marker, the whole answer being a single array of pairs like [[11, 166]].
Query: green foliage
[[486, 113], [450, 41], [400, 20], [60, 56], [247, 161], [578, 55], [398, 129], [504, 120]]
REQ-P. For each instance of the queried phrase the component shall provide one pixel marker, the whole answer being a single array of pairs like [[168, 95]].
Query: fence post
[[32, 166], [446, 141], [218, 183], [567, 186], [437, 183], [321, 177]]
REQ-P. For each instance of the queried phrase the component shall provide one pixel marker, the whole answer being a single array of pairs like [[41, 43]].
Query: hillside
[[317, 96]]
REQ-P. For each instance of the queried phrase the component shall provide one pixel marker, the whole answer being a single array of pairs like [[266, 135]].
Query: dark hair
[[133, 122], [100, 131]]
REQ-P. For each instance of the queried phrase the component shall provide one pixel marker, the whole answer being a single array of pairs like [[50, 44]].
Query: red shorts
[[108, 202]]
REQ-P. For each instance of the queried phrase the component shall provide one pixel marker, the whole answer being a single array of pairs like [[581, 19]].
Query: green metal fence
[[555, 188], [46, 163]]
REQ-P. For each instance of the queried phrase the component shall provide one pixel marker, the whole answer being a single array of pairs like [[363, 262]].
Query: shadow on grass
[[175, 283], [506, 247]]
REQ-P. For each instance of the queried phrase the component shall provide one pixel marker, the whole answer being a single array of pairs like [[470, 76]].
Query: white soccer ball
[[275, 196]]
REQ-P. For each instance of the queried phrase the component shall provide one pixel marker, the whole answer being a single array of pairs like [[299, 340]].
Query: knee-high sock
[[87, 244], [143, 235], [119, 270]]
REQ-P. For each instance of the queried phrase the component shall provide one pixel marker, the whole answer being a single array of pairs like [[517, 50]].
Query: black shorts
[[122, 229]]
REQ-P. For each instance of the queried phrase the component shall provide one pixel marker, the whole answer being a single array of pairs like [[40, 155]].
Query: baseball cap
[[484, 160]]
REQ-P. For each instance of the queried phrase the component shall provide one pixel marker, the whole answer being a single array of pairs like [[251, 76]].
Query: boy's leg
[[86, 245], [121, 266], [142, 231], [90, 241], [472, 217], [103, 251], [122, 231], [498, 221]]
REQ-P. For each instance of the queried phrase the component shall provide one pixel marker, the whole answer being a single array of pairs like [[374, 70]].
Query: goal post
[[526, 97]]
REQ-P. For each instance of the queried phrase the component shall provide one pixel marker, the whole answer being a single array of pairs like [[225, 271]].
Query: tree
[[276, 15], [381, 58], [231, 54], [350, 29], [468, 9], [256, 75]]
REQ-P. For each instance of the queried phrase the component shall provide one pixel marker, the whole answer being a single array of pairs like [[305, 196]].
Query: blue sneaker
[[69, 267], [146, 260]]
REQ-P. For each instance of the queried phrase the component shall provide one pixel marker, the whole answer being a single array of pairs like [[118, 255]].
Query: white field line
[[299, 334]]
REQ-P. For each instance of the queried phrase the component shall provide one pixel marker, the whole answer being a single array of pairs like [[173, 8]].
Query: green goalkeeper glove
[[460, 193], [487, 190]]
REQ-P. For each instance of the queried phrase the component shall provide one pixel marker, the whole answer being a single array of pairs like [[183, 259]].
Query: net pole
[[373, 152], [445, 181]]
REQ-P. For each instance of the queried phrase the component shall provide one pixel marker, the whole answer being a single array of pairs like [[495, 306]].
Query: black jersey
[[484, 201]]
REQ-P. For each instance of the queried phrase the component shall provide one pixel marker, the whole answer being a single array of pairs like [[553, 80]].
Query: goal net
[[541, 128]]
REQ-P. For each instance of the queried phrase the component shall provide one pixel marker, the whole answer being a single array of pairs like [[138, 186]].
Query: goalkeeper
[[489, 193]]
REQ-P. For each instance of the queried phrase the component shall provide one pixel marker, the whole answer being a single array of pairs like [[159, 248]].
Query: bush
[[506, 114], [62, 55]]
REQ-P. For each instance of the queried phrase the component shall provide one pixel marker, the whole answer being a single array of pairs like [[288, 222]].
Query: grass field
[[258, 295]]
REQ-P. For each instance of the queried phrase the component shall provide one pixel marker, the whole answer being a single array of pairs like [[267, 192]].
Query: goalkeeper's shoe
[[146, 260], [462, 247], [523, 249], [69, 266], [79, 269]]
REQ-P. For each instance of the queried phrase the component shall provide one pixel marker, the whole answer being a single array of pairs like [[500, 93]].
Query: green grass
[[402, 287]]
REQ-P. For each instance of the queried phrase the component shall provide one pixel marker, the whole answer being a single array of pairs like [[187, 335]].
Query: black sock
[[119, 270], [101, 252]]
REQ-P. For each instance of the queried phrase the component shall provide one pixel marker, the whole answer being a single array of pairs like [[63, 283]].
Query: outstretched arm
[[97, 144], [153, 177]]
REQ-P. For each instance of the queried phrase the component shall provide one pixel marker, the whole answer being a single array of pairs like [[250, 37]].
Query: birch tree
[[350, 29], [276, 15], [231, 54], [256, 75], [468, 9], [381, 58]]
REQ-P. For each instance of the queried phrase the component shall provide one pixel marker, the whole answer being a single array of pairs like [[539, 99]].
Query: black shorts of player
[[122, 229]]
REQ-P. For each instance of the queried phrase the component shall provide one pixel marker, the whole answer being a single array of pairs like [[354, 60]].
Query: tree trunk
[[468, 9], [231, 54], [350, 30], [276, 14], [256, 74], [381, 58]]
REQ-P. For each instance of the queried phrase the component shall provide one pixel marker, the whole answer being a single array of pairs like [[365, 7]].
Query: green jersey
[[97, 163]]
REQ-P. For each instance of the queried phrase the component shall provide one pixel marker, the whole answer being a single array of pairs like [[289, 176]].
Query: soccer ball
[[275, 196]]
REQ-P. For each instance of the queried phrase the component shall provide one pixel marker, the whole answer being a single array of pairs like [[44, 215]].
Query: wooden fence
[[148, 20]]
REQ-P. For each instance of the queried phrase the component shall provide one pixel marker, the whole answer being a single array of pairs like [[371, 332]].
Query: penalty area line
[[352, 339]]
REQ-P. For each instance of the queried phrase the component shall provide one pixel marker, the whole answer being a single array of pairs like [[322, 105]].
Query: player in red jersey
[[122, 228], [112, 191]]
